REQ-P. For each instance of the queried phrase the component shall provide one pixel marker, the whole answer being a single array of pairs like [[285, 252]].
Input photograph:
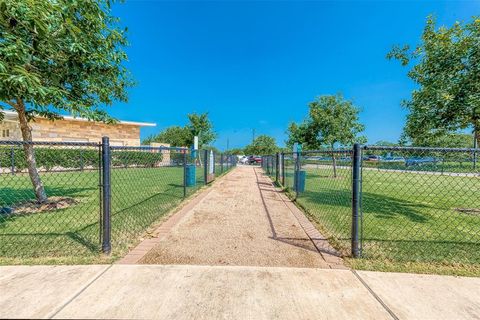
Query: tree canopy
[[446, 68], [59, 57], [236, 151], [262, 145], [199, 125], [176, 136], [448, 140], [331, 120]]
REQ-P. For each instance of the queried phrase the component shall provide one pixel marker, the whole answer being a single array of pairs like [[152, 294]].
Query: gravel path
[[242, 221]]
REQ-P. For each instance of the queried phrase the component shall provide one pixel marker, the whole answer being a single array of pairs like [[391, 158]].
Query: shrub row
[[75, 158]]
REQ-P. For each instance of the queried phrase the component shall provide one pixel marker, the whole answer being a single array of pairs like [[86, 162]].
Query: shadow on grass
[[379, 205], [467, 251], [127, 222], [12, 196]]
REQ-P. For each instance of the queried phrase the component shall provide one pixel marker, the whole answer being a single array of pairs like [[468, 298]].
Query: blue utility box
[[300, 176], [191, 175]]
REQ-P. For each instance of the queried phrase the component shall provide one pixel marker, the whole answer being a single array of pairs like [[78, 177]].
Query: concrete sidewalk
[[231, 292]]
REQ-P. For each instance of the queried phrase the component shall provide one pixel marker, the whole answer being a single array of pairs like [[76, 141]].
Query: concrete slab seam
[[392, 314], [79, 293]]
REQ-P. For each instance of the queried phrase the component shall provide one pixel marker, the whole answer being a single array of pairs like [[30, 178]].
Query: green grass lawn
[[407, 217], [140, 196]]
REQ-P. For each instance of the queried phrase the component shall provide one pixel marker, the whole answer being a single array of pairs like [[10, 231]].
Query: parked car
[[394, 159], [243, 160], [254, 160], [417, 161], [372, 158]]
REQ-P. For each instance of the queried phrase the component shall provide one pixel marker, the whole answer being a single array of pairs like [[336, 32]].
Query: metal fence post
[[283, 169], [106, 196], [184, 173], [356, 186], [277, 159], [221, 162], [205, 166], [297, 174]]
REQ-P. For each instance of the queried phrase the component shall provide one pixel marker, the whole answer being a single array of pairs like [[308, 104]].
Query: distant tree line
[[198, 125]]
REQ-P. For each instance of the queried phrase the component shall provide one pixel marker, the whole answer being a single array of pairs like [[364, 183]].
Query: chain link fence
[[69, 221], [98, 196], [412, 204]]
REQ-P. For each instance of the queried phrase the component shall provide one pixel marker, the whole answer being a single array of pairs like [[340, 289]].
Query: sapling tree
[[332, 120]]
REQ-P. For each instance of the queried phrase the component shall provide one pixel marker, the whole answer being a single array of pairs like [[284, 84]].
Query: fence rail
[[390, 203], [100, 197]]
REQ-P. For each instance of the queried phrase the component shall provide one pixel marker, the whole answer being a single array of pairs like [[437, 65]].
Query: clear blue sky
[[258, 64]]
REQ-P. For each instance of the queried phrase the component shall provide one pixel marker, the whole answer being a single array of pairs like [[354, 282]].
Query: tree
[[305, 134], [176, 136], [446, 68], [59, 56], [262, 145], [336, 122], [332, 120], [202, 127], [386, 143], [236, 151], [446, 140]]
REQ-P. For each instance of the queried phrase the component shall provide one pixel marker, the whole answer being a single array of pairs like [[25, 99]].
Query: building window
[[5, 133]]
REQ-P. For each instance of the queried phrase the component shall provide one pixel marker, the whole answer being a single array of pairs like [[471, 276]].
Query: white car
[[243, 160]]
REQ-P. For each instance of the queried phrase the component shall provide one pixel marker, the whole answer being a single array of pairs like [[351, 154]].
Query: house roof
[[12, 115]]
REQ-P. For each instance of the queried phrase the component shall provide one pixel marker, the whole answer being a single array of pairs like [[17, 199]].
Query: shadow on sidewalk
[[303, 243]]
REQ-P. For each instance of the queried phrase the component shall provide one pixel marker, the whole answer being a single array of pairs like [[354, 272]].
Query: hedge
[[49, 159]]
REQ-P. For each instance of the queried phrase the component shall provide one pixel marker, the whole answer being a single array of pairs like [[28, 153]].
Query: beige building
[[70, 129]]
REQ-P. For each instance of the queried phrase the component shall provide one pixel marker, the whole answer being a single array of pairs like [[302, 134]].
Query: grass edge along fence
[[101, 198], [398, 204]]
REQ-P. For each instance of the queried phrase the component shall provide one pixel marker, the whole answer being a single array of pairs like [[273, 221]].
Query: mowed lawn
[[407, 216], [140, 196]]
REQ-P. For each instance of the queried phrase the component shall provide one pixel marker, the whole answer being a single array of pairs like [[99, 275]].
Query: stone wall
[[166, 153], [76, 131]]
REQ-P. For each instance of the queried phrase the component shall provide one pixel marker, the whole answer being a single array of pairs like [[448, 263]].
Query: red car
[[254, 160]]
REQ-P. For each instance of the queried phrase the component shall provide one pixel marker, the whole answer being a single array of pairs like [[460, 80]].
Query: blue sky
[[258, 64]]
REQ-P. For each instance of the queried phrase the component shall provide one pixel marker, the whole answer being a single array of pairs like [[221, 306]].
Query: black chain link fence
[[69, 222], [145, 183], [415, 204]]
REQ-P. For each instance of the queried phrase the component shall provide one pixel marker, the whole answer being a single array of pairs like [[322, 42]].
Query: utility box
[[299, 182], [191, 175]]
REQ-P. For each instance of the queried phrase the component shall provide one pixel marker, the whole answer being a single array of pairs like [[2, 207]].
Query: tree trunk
[[476, 144], [334, 160], [29, 153], [476, 134]]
